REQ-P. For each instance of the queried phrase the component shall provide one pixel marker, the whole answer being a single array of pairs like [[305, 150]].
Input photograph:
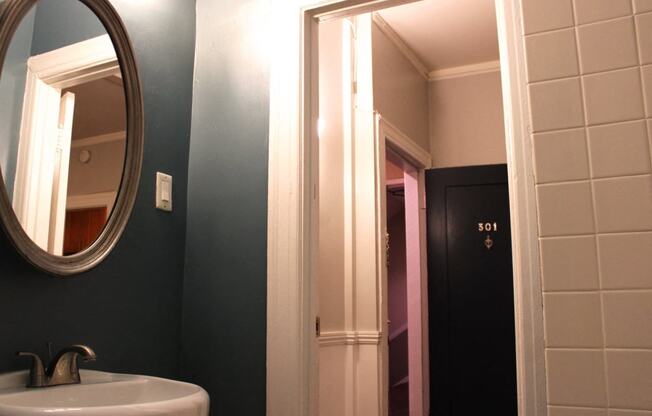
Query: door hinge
[[317, 326]]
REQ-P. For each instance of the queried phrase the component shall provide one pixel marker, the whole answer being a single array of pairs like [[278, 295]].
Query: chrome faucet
[[63, 369]]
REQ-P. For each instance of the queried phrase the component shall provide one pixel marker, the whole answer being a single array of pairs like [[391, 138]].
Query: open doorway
[[407, 312], [408, 70], [354, 355]]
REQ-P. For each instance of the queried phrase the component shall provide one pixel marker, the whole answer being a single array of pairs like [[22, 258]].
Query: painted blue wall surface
[[224, 322], [61, 23], [129, 308], [12, 91]]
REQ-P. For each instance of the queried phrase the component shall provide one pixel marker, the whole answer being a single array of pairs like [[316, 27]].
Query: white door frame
[[390, 137], [292, 191]]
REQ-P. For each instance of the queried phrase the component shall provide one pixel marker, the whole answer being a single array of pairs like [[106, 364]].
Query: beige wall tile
[[607, 45], [630, 379], [641, 6], [615, 412], [626, 261], [542, 15], [647, 82], [619, 149], [556, 105], [573, 320], [575, 411], [614, 96], [565, 209], [569, 263], [644, 31], [552, 55], [587, 11], [627, 319], [623, 204], [576, 378], [561, 156]]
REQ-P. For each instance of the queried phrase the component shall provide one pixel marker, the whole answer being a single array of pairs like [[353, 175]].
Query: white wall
[[102, 173], [400, 91], [466, 121]]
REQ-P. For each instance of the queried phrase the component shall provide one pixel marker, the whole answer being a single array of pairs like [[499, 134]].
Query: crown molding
[[464, 71], [94, 140], [400, 44]]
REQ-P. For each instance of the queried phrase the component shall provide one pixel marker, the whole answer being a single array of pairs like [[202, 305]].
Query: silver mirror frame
[[11, 14]]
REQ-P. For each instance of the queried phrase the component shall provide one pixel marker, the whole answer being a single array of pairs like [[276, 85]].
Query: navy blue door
[[471, 299]]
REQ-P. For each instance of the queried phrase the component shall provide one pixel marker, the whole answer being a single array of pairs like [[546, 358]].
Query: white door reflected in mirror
[[62, 126]]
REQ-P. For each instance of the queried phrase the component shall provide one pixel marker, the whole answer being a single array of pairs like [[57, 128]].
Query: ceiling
[[447, 33]]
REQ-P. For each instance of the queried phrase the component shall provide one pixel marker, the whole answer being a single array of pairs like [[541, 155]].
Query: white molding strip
[[401, 142], [95, 140], [394, 183], [101, 199], [464, 71], [329, 339], [78, 63], [400, 44]]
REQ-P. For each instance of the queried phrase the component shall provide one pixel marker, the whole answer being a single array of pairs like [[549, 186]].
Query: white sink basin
[[102, 394]]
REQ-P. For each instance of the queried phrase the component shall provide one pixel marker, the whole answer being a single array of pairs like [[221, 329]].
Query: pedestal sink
[[102, 394]]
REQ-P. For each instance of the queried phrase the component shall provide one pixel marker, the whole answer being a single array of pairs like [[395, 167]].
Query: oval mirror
[[71, 130]]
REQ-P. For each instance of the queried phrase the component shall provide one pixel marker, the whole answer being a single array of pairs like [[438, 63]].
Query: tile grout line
[[587, 291], [601, 124], [602, 233], [595, 22], [597, 179], [593, 202], [587, 75], [647, 107], [595, 349]]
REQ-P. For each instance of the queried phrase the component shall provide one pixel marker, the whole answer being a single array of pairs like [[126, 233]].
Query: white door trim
[[402, 144], [292, 192], [528, 298], [76, 64], [97, 200], [392, 138]]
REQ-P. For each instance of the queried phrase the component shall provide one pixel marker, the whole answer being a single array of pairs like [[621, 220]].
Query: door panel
[[82, 229], [471, 301]]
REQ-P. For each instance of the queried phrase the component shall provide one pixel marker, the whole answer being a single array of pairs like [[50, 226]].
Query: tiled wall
[[590, 75]]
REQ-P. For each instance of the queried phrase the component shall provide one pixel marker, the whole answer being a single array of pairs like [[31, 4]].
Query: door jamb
[[390, 137], [292, 193]]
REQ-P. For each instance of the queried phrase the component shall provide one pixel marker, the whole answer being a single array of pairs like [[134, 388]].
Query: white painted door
[[60, 174]]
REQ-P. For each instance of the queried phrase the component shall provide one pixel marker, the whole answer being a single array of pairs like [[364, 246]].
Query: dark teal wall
[[129, 308], [224, 323], [61, 23], [12, 91]]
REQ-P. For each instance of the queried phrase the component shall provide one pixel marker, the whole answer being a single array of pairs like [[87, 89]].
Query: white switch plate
[[163, 191]]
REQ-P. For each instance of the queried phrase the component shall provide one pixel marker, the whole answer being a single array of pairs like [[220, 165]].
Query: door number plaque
[[487, 227]]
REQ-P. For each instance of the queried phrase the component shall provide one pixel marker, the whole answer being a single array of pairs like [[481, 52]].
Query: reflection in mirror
[[62, 126]]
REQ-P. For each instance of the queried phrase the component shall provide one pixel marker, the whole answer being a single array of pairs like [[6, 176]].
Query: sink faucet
[[63, 368]]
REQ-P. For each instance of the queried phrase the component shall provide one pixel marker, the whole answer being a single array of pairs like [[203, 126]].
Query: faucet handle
[[36, 371]]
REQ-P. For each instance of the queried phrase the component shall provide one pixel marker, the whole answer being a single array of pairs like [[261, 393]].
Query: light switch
[[163, 191]]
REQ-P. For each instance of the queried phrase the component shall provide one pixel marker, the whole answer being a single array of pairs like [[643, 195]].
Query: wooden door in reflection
[[83, 226]]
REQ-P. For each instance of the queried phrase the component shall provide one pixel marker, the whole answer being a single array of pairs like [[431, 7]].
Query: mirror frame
[[11, 15]]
